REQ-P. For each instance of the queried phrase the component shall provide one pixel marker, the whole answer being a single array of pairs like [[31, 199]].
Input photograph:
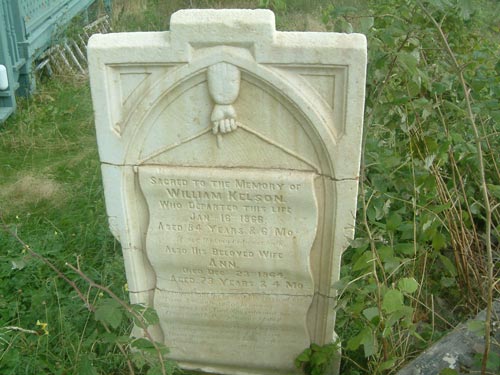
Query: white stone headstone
[[230, 158]]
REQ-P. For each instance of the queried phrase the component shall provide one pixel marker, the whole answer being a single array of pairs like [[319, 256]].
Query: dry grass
[[31, 189], [139, 15]]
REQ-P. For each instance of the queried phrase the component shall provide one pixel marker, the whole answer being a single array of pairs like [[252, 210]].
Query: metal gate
[[26, 30]]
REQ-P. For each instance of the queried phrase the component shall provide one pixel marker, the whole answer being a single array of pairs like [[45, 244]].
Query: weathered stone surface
[[230, 156], [460, 350]]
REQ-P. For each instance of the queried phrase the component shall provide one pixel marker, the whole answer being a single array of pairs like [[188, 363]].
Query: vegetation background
[[427, 239]]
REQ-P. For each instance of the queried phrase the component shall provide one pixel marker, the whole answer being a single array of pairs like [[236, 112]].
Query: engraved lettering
[[281, 209], [270, 255], [232, 253], [241, 231], [175, 250], [225, 230], [222, 263], [197, 251], [253, 185], [220, 184], [283, 232], [294, 285], [167, 182], [255, 208], [193, 228], [200, 217], [194, 194], [211, 271], [170, 205], [212, 206], [170, 227], [235, 283], [269, 198], [183, 279], [252, 219], [192, 270]]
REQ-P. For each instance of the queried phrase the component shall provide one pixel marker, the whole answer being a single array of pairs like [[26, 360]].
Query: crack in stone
[[203, 293], [135, 166], [242, 294]]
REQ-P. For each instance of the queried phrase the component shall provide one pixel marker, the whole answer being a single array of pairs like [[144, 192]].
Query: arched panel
[[181, 87]]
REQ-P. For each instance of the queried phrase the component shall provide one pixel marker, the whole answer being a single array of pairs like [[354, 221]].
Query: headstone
[[230, 158], [461, 351]]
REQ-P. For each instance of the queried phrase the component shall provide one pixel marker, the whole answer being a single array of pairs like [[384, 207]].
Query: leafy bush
[[427, 235]]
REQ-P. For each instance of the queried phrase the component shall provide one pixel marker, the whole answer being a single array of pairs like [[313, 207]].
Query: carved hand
[[223, 118], [224, 86]]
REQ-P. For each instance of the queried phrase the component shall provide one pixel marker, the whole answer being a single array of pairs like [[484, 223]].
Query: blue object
[[26, 30]]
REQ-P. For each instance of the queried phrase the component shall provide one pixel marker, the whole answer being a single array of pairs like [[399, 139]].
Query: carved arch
[[271, 79]]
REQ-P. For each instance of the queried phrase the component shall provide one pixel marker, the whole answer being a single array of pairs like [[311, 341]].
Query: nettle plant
[[429, 190], [59, 345]]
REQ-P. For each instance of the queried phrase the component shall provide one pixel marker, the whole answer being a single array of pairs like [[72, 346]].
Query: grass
[[301, 15], [51, 195]]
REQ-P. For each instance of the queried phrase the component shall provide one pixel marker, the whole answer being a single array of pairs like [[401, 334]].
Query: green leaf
[[386, 253], [495, 115], [138, 359], [85, 367], [408, 285], [315, 347], [370, 345], [370, 313], [438, 241], [108, 337], [319, 358], [360, 243], [387, 364], [393, 301], [305, 356], [143, 344], [478, 327], [342, 283], [170, 367], [345, 27], [466, 9], [366, 24], [18, 264], [394, 221], [493, 362], [148, 314], [365, 338], [109, 311], [409, 62], [354, 342], [441, 4], [112, 338], [494, 190], [406, 248], [404, 312], [147, 346], [364, 262], [448, 265], [417, 335], [448, 371]]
